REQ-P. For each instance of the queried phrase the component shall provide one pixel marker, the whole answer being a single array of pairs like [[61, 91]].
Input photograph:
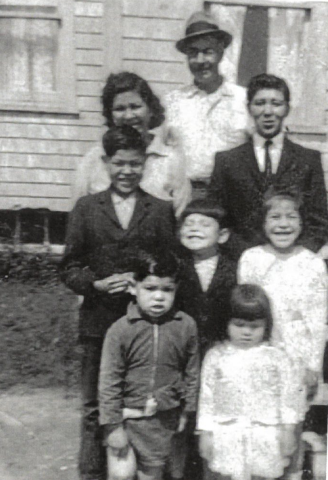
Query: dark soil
[[38, 335]]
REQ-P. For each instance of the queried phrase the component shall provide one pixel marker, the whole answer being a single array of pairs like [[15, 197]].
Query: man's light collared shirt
[[275, 150], [207, 123]]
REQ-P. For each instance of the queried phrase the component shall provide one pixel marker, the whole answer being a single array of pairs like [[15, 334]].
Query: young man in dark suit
[[242, 175], [105, 232]]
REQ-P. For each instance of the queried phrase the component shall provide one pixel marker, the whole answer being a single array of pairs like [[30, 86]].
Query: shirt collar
[[277, 141], [117, 199], [158, 145], [134, 313], [223, 91]]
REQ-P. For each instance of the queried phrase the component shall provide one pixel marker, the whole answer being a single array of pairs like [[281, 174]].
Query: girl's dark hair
[[289, 193], [266, 81], [130, 82], [208, 208], [122, 138], [160, 263], [250, 303]]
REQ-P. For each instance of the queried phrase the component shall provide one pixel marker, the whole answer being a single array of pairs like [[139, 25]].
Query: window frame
[[64, 99], [316, 74]]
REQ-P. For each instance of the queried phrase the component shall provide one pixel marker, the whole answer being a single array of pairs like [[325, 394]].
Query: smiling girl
[[296, 281]]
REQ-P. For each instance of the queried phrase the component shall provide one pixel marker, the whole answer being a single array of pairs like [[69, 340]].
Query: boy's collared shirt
[[275, 150], [142, 359], [124, 207]]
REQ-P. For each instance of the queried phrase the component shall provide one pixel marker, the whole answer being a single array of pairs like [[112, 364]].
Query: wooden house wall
[[39, 152]]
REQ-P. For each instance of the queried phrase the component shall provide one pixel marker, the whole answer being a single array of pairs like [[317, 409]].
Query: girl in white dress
[[295, 280], [246, 414]]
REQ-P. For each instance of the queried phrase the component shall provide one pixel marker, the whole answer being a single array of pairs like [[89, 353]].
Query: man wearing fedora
[[210, 115]]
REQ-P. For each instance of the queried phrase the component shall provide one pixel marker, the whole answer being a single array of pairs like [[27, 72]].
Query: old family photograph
[[163, 239]]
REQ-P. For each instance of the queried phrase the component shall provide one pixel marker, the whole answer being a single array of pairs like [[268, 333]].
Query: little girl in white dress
[[295, 280], [246, 414]]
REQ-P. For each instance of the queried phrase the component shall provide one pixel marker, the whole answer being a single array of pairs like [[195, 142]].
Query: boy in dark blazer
[[242, 175], [208, 274], [105, 232], [206, 280]]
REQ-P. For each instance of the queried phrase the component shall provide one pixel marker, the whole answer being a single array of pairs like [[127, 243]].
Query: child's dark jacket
[[97, 246], [142, 359], [210, 309]]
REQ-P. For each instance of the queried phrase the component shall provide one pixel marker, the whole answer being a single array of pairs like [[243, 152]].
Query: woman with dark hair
[[127, 99]]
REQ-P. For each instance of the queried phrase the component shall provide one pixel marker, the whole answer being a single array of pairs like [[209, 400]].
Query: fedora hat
[[202, 23]]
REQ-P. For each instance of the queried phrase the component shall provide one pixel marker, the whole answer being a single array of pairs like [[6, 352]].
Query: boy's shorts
[[151, 438]]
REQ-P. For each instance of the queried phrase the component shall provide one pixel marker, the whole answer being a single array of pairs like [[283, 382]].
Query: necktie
[[268, 164]]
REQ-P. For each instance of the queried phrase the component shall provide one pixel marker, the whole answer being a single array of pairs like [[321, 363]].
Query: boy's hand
[[119, 282], [206, 445], [118, 442], [182, 422], [288, 441], [311, 381]]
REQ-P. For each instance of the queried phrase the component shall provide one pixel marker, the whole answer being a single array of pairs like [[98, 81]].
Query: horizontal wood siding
[[150, 31], [39, 152]]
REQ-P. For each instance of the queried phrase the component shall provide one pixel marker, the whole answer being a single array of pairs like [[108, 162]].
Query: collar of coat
[[134, 314]]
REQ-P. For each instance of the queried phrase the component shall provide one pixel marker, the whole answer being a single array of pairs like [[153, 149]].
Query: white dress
[[244, 401], [297, 287]]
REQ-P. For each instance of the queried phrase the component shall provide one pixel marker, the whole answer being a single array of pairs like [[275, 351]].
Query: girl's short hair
[[122, 138], [208, 208], [250, 303], [131, 82], [161, 263]]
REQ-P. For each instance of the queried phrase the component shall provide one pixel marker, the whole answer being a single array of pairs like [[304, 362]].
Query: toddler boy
[[149, 369]]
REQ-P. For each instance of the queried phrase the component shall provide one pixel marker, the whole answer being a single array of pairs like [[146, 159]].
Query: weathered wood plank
[[84, 72], [36, 175], [153, 28], [44, 146], [113, 31], [90, 104], [53, 204], [31, 161], [156, 8], [162, 89], [92, 89], [87, 25], [84, 119], [38, 190], [85, 9], [154, 71], [87, 41], [151, 50], [89, 57], [51, 132]]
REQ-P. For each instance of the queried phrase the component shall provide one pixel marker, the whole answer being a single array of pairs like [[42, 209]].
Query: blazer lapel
[[287, 158], [108, 208], [250, 158], [140, 210]]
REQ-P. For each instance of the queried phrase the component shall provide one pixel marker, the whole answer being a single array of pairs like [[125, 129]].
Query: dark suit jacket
[[238, 185], [97, 246], [210, 309]]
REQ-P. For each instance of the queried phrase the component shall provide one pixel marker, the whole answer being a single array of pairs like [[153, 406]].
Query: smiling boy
[[105, 230], [147, 355]]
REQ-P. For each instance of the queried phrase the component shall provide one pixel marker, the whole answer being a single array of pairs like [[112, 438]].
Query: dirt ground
[[39, 382], [39, 434]]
